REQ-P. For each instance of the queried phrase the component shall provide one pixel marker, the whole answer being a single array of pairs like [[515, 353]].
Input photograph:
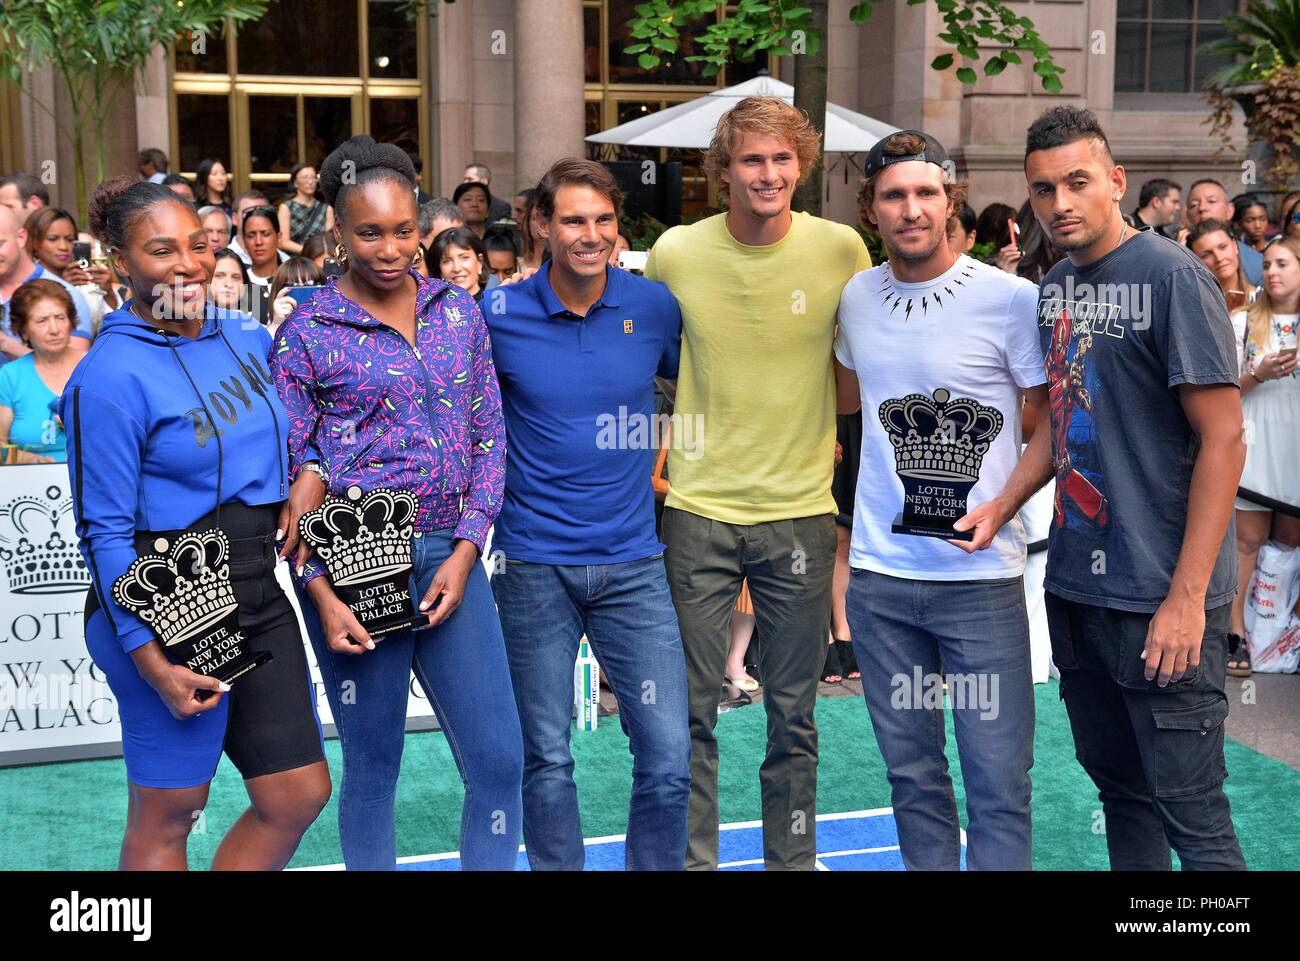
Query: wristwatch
[[315, 468]]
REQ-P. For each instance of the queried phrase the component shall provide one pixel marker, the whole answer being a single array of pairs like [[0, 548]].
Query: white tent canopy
[[691, 124]]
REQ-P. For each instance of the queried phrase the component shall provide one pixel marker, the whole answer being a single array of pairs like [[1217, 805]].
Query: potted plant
[[1264, 80]]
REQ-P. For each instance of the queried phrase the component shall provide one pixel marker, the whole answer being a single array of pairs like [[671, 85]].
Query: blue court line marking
[[848, 841]]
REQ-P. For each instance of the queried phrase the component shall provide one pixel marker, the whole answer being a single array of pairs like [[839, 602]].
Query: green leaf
[[636, 48], [1010, 56], [1052, 84], [966, 75], [860, 13], [941, 62], [994, 67], [648, 61]]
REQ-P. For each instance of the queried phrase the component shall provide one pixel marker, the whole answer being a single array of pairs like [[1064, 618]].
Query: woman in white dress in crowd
[[1270, 402]]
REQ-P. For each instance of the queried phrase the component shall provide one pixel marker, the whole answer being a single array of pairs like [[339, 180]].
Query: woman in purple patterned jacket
[[388, 381]]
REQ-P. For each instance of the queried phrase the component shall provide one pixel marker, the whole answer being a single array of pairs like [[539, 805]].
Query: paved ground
[[1264, 714], [1264, 711]]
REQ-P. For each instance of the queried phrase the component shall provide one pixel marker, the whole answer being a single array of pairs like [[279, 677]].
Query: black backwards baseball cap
[[877, 159]]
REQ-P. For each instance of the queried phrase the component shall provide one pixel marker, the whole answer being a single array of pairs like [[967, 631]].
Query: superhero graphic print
[[1080, 496]]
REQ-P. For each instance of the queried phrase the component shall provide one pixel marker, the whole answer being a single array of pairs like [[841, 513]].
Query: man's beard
[[1078, 240], [918, 256]]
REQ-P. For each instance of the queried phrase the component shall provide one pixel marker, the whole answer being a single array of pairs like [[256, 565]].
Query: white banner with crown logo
[[54, 702]]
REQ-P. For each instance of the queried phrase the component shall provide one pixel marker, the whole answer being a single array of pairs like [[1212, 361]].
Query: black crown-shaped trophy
[[364, 541], [38, 545], [184, 593], [939, 446]]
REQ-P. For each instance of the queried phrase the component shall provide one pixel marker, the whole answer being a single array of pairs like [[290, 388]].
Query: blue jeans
[[461, 665], [627, 614], [976, 635]]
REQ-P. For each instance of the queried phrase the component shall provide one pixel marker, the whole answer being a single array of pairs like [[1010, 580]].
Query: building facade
[[516, 84]]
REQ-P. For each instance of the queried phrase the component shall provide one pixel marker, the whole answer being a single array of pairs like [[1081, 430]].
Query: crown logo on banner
[[941, 439], [362, 537], [38, 545], [182, 590]]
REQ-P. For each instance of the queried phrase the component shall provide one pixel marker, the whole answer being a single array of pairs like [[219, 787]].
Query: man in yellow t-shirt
[[752, 458]]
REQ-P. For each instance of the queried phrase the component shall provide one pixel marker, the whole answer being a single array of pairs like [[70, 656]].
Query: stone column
[[450, 95], [840, 184], [152, 113], [550, 114]]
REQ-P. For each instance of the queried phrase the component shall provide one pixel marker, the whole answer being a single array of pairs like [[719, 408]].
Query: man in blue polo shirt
[[16, 268], [577, 347]]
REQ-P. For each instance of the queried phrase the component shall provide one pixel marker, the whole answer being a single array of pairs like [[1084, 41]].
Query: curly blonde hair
[[762, 115]]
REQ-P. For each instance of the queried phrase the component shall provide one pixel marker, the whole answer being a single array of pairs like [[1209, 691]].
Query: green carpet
[[70, 816]]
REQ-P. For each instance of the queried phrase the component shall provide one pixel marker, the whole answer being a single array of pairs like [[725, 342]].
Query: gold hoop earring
[[415, 261], [340, 254]]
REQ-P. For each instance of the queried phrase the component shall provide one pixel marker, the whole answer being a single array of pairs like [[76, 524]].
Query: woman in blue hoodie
[[173, 424]]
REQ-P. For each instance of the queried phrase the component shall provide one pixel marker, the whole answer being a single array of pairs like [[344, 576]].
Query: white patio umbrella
[[691, 124]]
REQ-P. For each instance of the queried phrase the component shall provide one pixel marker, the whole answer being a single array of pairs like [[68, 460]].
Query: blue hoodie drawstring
[[215, 431]]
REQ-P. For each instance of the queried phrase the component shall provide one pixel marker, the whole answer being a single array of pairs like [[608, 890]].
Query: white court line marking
[[612, 838], [844, 854], [818, 866]]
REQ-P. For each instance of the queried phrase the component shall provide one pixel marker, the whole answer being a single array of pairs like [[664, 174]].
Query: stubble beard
[[917, 256], [1078, 240]]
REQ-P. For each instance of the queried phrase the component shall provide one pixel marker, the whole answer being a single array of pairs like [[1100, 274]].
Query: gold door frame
[[288, 87], [237, 87]]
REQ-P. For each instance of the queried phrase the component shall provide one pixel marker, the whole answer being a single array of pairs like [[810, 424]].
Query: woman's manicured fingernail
[[424, 605], [224, 687], [279, 534]]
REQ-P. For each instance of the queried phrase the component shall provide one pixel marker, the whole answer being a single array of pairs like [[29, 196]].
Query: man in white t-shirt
[[941, 351]]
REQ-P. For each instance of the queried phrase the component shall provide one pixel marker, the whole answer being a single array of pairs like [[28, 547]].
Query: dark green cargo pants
[[788, 564]]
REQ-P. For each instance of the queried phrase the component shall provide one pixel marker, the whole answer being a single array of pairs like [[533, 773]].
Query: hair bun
[[352, 158], [106, 192]]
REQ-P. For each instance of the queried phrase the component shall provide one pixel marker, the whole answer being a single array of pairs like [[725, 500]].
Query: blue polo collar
[[611, 297]]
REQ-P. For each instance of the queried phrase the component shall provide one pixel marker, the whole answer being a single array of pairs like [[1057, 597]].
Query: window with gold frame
[[618, 90], [282, 90]]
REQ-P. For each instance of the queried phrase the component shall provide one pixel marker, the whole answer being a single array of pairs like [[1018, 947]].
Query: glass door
[[281, 126]]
